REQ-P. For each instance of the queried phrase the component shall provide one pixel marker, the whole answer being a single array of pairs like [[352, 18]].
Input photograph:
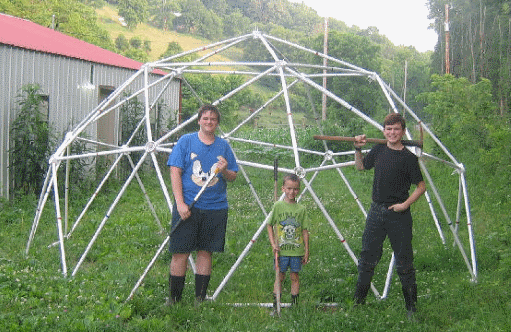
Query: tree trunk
[[471, 43]]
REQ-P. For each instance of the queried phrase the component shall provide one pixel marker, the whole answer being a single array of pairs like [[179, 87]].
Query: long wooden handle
[[369, 140], [275, 178], [278, 291]]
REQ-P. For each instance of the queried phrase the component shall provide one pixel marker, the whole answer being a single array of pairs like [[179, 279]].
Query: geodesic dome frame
[[284, 71]]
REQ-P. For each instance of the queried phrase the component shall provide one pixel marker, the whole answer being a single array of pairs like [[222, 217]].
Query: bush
[[31, 142]]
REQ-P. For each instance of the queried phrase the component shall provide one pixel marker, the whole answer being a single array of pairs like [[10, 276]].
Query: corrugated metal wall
[[72, 87]]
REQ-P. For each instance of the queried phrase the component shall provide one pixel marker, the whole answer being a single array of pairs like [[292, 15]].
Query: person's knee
[[204, 254], [406, 274], [178, 264], [180, 257]]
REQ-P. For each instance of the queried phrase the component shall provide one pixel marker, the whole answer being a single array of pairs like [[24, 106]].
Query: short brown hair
[[394, 118], [290, 177], [206, 108]]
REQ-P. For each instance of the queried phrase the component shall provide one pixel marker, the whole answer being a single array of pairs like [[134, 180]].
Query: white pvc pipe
[[59, 219], [107, 216]]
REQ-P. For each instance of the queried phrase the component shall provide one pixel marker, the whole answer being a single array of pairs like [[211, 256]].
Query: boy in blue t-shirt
[[194, 158]]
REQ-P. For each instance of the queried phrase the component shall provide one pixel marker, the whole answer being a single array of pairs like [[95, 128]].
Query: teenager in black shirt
[[395, 169]]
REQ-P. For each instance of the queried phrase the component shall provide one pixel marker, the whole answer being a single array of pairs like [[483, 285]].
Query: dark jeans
[[382, 222]]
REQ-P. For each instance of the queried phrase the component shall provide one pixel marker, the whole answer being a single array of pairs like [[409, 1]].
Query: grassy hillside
[[109, 20]]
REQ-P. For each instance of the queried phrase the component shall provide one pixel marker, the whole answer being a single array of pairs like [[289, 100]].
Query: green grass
[[108, 20], [35, 296]]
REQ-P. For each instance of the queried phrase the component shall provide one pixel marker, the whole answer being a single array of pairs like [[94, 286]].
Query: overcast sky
[[404, 22]]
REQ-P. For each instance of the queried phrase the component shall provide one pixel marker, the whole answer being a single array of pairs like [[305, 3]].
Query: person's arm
[[305, 259], [229, 175], [226, 173], [177, 191], [416, 194], [271, 236], [360, 141]]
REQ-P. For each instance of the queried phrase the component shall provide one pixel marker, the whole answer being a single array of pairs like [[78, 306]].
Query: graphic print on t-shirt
[[199, 177], [288, 237]]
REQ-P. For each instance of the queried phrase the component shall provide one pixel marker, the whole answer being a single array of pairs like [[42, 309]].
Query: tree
[[196, 18], [460, 111], [133, 11], [480, 43], [136, 42], [219, 7], [147, 46], [192, 12], [174, 48], [407, 61], [304, 19], [212, 87], [161, 13], [236, 24], [121, 43], [137, 54], [70, 17], [361, 52], [463, 115], [94, 3]]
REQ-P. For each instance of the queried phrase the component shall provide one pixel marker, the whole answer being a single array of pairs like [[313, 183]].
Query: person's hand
[[221, 164], [184, 211], [305, 258], [400, 207], [360, 141]]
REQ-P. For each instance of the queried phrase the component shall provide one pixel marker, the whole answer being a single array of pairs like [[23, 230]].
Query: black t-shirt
[[394, 172]]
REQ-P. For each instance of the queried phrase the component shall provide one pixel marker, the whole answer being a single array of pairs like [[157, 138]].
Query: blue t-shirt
[[197, 161]]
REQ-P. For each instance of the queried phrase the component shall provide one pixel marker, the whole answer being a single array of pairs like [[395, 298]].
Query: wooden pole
[[278, 288], [368, 140], [275, 178]]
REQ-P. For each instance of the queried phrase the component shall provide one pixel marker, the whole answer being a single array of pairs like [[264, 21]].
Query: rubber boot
[[361, 294], [410, 296]]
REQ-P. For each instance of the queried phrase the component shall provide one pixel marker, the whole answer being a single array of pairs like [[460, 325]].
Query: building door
[[106, 131], [107, 125]]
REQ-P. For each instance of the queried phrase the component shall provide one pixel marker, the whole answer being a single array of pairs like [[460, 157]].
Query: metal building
[[74, 77]]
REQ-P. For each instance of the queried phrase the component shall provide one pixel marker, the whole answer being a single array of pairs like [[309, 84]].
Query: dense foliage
[[31, 141], [465, 118], [480, 43], [71, 17]]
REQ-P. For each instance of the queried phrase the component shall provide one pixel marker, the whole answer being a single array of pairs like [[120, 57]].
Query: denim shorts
[[294, 263]]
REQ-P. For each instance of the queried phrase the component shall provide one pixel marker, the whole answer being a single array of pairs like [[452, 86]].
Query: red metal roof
[[26, 34]]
